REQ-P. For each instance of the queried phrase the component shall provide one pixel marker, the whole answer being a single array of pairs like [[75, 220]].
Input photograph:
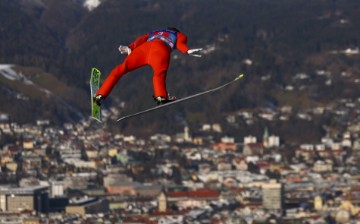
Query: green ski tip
[[239, 77], [95, 70]]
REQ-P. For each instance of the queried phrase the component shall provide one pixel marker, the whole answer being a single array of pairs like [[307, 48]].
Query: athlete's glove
[[124, 49], [195, 52]]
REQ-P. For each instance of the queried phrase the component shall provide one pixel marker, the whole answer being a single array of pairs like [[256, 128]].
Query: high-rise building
[[57, 189], [272, 195]]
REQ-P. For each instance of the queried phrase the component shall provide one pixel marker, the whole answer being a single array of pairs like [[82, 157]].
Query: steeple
[[266, 137]]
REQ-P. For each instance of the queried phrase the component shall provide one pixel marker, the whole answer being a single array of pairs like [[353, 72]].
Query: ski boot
[[161, 100], [98, 99]]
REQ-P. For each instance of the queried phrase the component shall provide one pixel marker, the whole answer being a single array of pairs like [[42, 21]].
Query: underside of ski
[[240, 76]]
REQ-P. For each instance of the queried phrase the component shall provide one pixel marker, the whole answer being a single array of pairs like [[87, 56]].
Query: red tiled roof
[[224, 143], [263, 164], [200, 193], [138, 219], [256, 145]]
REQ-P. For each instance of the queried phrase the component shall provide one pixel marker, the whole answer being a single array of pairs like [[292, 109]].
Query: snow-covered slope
[[91, 4], [88, 4], [8, 72]]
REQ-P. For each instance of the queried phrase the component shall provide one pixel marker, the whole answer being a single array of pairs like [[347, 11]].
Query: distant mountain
[[270, 41]]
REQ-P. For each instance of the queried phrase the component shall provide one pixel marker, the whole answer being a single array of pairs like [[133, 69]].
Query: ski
[[94, 86], [181, 99]]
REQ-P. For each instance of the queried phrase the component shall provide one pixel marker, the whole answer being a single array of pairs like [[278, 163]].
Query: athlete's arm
[[181, 43], [182, 47], [139, 41]]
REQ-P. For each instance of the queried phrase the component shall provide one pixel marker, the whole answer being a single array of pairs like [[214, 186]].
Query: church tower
[[266, 138], [162, 202]]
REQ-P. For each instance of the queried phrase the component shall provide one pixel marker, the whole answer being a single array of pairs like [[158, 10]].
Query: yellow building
[[12, 166], [162, 202], [35, 198], [318, 203], [6, 158], [112, 152], [87, 206], [349, 207], [31, 221], [28, 144]]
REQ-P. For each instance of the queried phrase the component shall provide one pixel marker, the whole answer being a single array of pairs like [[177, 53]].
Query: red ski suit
[[150, 49]]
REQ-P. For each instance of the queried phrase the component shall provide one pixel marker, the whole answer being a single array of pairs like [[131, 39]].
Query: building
[[270, 140], [273, 141], [318, 203], [224, 146], [190, 199], [34, 198], [273, 195], [321, 166], [249, 139], [31, 220], [122, 188], [162, 202], [84, 206], [57, 188]]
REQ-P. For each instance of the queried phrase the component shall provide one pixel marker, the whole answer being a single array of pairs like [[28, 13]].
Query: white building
[[249, 139], [274, 141], [56, 188]]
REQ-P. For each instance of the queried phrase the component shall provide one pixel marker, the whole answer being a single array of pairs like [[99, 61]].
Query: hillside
[[280, 38], [29, 93]]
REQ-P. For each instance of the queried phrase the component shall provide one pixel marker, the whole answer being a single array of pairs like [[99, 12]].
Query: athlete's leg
[[135, 60], [159, 82], [159, 60]]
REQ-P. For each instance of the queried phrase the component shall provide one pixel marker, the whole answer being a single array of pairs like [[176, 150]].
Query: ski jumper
[[152, 49]]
